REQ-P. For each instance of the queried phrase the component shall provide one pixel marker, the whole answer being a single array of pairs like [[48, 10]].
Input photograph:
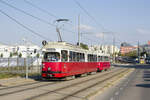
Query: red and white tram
[[62, 59]]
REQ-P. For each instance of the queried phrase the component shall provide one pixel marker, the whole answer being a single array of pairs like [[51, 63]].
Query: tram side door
[[64, 60]]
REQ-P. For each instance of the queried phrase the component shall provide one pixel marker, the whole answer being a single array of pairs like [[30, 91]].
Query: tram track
[[19, 85], [90, 86], [27, 84], [71, 85], [30, 84], [26, 87], [21, 90]]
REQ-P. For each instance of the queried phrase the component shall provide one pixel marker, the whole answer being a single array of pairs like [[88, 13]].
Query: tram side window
[[92, 58], [103, 58], [78, 57], [75, 56], [70, 56], [88, 57], [107, 58], [95, 58], [98, 58], [82, 58], [64, 55]]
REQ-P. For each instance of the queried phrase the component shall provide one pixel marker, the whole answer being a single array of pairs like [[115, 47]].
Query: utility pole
[[138, 52], [27, 58], [27, 66], [79, 29], [114, 49]]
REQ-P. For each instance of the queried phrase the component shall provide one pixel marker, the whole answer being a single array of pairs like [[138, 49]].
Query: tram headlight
[[49, 68]]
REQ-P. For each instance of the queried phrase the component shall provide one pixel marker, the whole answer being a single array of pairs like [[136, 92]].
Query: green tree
[[38, 55], [132, 54], [84, 46], [119, 54], [20, 55], [11, 54], [15, 53], [1, 55]]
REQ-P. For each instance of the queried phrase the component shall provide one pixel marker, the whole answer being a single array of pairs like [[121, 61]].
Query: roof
[[68, 46], [63, 45], [124, 44]]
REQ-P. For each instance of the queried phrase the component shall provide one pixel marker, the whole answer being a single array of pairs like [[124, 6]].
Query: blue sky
[[127, 19]]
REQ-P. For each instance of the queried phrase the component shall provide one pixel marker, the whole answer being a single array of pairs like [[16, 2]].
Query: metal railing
[[18, 65]]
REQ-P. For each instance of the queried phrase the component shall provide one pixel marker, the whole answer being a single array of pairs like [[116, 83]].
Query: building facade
[[23, 50], [109, 49], [126, 48]]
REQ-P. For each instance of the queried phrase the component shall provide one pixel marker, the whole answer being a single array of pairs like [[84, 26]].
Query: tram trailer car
[[62, 59]]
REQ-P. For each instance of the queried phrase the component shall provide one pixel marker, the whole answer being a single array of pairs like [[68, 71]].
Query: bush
[[11, 55], [38, 55], [20, 55], [1, 55]]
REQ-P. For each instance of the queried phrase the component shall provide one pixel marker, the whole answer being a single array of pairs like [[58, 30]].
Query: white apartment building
[[28, 50], [24, 49], [4, 50], [110, 49]]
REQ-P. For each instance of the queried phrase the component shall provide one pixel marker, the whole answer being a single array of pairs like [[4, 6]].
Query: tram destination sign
[[51, 49]]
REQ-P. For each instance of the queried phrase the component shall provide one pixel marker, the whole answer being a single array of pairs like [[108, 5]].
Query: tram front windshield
[[51, 57]]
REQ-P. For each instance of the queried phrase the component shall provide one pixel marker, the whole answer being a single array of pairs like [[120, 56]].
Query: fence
[[18, 65]]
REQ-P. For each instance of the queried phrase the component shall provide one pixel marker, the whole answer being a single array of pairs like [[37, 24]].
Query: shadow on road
[[143, 85], [145, 69], [40, 79], [134, 66], [146, 77], [147, 80]]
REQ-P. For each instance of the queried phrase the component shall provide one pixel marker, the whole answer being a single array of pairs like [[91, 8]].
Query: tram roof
[[63, 45], [68, 46]]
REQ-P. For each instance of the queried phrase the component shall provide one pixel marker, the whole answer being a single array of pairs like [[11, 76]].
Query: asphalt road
[[134, 87]]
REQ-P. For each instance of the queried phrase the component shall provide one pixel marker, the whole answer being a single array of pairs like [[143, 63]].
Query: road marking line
[[111, 98], [121, 88], [117, 93]]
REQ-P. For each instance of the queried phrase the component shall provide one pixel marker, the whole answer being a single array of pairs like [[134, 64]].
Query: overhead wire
[[88, 14], [42, 20], [32, 16], [41, 9], [25, 27], [81, 7]]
